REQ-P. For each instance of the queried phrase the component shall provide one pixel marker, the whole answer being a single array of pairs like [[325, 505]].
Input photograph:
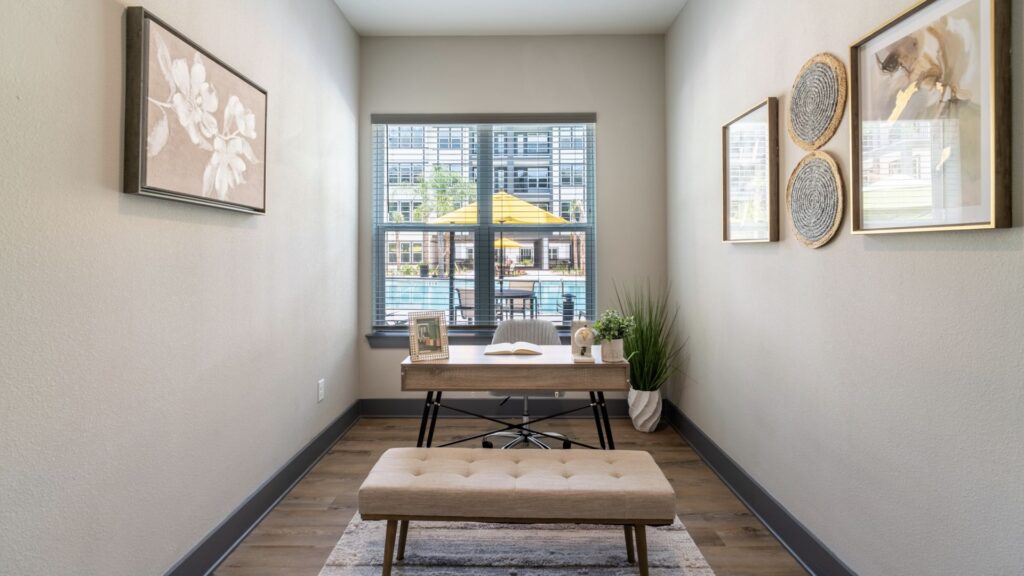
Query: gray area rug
[[468, 549]]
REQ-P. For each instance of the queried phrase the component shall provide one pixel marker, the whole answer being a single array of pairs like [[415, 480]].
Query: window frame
[[480, 155]]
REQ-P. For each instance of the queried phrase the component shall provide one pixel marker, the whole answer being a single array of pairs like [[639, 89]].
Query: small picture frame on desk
[[428, 336]]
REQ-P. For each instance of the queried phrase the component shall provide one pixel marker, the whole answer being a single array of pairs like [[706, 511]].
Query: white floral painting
[[204, 125]]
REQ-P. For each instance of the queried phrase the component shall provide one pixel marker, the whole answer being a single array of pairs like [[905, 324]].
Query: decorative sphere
[[584, 337]]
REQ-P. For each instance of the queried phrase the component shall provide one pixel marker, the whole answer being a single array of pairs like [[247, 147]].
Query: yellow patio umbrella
[[505, 209], [507, 243]]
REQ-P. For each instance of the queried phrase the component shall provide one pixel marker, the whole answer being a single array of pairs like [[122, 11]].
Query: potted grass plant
[[612, 328], [652, 348]]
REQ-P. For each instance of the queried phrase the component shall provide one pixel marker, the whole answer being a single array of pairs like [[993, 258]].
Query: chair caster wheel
[[566, 445], [487, 444]]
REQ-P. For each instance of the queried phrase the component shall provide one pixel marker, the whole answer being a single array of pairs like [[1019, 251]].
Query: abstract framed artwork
[[195, 129], [428, 336], [931, 122], [750, 175]]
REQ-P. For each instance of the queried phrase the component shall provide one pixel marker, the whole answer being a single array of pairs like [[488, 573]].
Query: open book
[[506, 349]]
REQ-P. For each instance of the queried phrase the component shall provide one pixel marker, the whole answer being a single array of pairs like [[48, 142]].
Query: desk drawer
[[468, 378]]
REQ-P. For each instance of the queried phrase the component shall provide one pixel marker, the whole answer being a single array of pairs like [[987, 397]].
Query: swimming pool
[[405, 294]]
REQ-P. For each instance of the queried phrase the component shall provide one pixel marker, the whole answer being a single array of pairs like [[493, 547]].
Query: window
[[467, 229], [501, 145], [572, 174], [533, 143], [571, 211], [405, 137], [572, 138], [449, 138], [405, 252], [500, 179], [533, 179], [405, 173], [404, 210]]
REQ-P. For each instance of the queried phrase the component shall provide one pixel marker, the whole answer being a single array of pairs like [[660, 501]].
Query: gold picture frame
[[952, 124], [428, 336], [763, 118]]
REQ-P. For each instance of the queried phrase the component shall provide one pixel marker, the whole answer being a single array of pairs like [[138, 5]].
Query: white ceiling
[[509, 17]]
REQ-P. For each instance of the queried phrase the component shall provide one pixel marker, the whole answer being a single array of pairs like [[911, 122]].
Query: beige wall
[[159, 360], [621, 78], [874, 386]]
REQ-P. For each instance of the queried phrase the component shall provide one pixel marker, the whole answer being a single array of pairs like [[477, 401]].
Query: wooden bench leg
[[630, 556], [389, 546], [641, 548], [403, 532]]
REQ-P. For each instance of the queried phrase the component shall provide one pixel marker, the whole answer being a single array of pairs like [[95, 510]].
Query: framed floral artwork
[[750, 175], [195, 129], [930, 104]]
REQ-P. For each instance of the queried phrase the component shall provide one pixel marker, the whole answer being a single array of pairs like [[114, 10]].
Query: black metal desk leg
[[597, 419], [433, 419], [423, 420], [607, 422]]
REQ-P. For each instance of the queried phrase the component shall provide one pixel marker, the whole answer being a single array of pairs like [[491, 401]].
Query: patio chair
[[467, 304]]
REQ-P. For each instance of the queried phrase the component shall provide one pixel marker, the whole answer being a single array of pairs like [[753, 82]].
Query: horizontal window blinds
[[483, 220]]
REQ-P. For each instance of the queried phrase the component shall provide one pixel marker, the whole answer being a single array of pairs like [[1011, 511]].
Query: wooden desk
[[468, 369]]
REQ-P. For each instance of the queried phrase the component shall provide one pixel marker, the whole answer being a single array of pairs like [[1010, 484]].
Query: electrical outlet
[[320, 391]]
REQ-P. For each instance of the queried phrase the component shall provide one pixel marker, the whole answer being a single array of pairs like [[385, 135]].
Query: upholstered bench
[[621, 487]]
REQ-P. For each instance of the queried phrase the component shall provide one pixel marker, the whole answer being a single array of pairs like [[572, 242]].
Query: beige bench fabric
[[476, 483]]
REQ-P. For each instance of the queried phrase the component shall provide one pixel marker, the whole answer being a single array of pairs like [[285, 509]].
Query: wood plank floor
[[298, 535]]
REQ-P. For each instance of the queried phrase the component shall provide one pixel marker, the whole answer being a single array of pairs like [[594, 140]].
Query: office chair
[[541, 333]]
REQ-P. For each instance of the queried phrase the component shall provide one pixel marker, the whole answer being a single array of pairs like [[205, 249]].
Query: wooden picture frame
[[195, 128], [960, 180], [758, 178], [428, 336]]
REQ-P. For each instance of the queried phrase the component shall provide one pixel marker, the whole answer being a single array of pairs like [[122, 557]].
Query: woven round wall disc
[[817, 102], [814, 197]]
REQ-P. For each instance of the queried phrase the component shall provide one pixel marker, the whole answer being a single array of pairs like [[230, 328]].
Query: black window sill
[[400, 338]]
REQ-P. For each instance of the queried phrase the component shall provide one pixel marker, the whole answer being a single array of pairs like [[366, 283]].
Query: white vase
[[645, 409], [611, 351]]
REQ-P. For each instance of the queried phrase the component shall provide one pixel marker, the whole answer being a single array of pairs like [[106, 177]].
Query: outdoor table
[[510, 295]]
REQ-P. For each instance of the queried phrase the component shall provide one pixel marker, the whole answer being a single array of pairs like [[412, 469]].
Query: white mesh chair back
[[539, 332]]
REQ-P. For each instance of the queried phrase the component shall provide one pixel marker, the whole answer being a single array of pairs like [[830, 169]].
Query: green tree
[[442, 192]]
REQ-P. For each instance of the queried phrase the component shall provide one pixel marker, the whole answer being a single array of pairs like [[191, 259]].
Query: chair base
[[528, 438]]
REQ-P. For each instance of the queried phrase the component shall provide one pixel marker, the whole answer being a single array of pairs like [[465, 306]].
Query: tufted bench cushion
[[476, 483]]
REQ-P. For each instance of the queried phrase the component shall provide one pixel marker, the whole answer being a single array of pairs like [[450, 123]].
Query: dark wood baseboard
[[815, 557], [216, 546]]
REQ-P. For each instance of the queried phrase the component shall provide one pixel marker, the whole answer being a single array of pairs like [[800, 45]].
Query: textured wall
[[159, 360], [621, 78], [873, 386]]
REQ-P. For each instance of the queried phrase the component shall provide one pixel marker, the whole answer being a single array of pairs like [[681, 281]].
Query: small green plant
[[652, 347], [613, 326]]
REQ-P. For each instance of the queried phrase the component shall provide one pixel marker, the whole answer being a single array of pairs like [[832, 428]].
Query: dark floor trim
[[815, 557], [413, 407], [206, 555]]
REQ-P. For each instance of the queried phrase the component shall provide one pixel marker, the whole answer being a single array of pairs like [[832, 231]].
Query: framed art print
[[195, 129], [931, 120], [428, 336], [750, 175]]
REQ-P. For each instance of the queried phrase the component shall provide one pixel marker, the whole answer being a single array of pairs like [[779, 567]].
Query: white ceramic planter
[[611, 351], [645, 409]]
